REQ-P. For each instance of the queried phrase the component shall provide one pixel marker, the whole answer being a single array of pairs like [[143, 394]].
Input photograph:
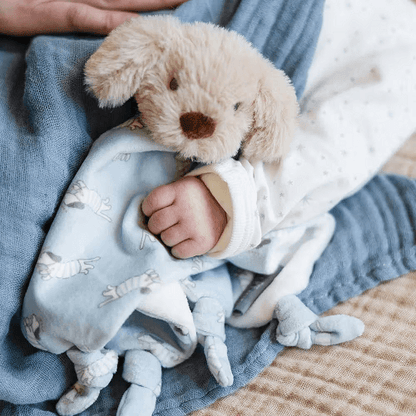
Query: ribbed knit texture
[[374, 375]]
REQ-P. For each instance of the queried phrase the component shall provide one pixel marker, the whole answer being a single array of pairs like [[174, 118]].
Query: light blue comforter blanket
[[47, 124]]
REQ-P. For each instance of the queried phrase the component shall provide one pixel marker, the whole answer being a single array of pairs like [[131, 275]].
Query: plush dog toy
[[202, 90]]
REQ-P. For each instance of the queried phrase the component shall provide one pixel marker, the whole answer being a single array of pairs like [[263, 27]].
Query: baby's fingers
[[186, 249], [162, 220], [174, 235], [159, 198]]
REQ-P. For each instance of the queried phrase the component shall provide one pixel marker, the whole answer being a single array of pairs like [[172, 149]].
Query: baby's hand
[[186, 215]]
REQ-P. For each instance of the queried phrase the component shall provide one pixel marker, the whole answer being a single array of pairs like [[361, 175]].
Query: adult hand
[[32, 17], [186, 216]]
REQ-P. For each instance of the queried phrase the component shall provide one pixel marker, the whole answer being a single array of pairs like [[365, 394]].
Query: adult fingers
[[86, 16], [65, 17], [132, 5], [62, 17]]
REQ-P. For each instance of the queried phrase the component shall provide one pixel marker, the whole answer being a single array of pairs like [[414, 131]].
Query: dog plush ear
[[275, 111], [115, 71]]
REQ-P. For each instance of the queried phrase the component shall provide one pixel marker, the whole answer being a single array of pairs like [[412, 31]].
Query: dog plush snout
[[197, 125]]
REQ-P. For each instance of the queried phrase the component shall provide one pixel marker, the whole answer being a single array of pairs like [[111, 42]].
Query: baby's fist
[[186, 216]]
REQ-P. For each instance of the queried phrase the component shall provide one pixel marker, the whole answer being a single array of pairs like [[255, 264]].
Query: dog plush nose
[[197, 125]]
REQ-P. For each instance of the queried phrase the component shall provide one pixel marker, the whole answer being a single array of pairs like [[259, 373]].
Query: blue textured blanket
[[47, 124]]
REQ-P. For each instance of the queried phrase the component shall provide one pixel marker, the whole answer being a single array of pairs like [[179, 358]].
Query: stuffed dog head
[[202, 91]]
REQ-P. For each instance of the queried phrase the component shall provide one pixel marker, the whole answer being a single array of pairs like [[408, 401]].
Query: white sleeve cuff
[[232, 185]]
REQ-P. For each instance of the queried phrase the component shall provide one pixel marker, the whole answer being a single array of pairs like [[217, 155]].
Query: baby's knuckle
[[146, 207], [179, 253], [202, 244], [162, 193], [165, 240], [151, 226]]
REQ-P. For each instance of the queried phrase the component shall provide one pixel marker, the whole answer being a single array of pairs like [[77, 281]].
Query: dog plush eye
[[236, 106], [173, 85]]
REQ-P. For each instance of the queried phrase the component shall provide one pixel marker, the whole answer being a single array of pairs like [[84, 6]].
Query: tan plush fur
[[201, 90]]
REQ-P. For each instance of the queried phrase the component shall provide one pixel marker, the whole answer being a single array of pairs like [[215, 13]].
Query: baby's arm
[[213, 210], [186, 216]]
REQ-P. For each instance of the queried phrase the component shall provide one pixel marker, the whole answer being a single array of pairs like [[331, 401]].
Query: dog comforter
[[104, 286]]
